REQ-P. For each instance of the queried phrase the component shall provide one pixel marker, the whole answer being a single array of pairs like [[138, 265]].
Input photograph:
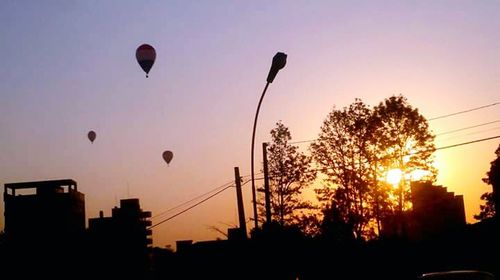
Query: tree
[[290, 172], [491, 199], [343, 152], [356, 148], [487, 210], [404, 143]]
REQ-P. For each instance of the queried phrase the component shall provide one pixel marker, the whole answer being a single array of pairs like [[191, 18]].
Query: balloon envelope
[[91, 135], [145, 55], [167, 156]]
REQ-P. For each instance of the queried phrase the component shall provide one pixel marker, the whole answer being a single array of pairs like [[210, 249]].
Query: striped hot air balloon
[[146, 56]]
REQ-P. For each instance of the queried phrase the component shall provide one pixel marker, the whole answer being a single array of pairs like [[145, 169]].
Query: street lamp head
[[279, 61]]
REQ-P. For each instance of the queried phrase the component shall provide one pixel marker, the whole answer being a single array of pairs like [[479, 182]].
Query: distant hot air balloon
[[146, 56], [167, 156], [91, 135]]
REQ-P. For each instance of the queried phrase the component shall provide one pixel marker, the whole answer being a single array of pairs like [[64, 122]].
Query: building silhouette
[[435, 211], [44, 229], [43, 211], [121, 243]]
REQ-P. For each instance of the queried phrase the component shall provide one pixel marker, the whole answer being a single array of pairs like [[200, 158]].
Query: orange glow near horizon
[[418, 174], [394, 176]]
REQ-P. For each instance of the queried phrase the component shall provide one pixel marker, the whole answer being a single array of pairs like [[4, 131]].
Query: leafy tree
[[403, 142], [355, 149], [487, 210], [492, 199], [289, 173], [343, 152]]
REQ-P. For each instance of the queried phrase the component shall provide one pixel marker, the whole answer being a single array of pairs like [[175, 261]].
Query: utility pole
[[266, 184], [239, 197]]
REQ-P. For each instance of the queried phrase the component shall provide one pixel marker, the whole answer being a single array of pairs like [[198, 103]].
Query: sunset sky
[[69, 67]]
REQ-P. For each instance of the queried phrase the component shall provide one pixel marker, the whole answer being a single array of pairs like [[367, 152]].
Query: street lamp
[[279, 61]]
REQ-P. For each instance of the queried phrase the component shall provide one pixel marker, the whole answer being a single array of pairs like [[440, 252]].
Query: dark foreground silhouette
[[271, 254], [45, 238]]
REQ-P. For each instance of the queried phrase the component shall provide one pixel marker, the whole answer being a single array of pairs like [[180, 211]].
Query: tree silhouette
[[356, 148], [403, 142], [487, 210], [343, 152], [491, 198], [290, 173]]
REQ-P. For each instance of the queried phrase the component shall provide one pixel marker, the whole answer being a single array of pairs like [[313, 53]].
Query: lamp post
[[279, 61]]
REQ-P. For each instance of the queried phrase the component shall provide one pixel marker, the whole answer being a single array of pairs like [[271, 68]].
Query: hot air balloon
[[91, 135], [167, 156], [146, 56]]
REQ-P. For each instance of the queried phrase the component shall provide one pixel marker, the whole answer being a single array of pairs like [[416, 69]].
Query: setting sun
[[394, 176]]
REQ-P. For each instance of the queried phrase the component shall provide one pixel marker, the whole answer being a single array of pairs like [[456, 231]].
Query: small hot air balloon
[[91, 135], [145, 55], [167, 156]]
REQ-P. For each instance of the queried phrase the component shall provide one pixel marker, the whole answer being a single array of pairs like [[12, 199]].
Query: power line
[[463, 112], [189, 208], [439, 148], [466, 143], [465, 128], [303, 141], [483, 131], [202, 195], [471, 133], [438, 134], [191, 200], [435, 118], [193, 206]]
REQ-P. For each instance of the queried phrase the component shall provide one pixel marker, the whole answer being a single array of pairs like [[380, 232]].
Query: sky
[[69, 67]]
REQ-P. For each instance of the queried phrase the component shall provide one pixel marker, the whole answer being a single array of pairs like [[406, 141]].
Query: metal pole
[[266, 184], [254, 197]]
